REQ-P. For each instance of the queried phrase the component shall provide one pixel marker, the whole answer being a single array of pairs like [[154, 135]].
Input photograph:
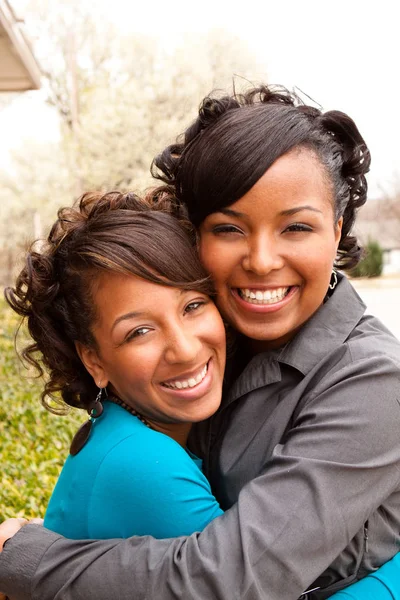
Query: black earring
[[95, 410]]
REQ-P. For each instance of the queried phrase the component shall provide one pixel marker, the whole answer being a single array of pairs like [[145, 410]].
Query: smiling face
[[271, 253], [160, 349]]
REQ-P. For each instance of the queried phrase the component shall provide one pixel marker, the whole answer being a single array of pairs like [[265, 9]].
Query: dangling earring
[[95, 410], [334, 280]]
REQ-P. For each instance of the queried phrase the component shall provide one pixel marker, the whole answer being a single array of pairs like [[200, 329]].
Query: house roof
[[19, 70]]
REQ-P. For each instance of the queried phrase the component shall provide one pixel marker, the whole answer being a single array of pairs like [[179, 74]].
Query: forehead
[[116, 293], [297, 176], [294, 179]]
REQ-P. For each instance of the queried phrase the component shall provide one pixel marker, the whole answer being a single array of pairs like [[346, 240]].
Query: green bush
[[372, 264], [33, 442]]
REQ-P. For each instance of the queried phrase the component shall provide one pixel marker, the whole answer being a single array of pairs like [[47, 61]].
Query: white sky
[[345, 54]]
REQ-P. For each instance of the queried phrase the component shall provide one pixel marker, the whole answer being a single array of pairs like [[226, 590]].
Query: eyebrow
[[296, 209], [231, 213], [290, 211], [133, 314], [130, 315]]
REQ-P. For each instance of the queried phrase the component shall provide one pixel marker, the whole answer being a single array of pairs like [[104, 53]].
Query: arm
[[382, 585], [340, 461]]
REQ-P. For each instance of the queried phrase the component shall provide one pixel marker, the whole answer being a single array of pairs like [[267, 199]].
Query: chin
[[204, 413]]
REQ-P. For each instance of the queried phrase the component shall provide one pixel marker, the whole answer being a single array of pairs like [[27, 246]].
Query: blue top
[[131, 480], [384, 584]]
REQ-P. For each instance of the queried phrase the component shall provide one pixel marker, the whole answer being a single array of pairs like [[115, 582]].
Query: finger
[[35, 521]]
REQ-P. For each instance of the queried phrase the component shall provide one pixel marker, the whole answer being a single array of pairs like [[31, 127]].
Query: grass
[[33, 442]]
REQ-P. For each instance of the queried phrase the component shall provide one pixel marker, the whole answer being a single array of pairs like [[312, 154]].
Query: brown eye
[[298, 227], [192, 306], [226, 229], [139, 332]]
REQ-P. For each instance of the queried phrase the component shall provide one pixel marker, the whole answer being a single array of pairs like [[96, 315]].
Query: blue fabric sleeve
[[162, 492], [384, 584]]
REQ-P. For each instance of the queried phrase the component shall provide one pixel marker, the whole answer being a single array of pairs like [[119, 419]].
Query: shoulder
[[152, 487], [370, 338], [369, 352], [143, 452]]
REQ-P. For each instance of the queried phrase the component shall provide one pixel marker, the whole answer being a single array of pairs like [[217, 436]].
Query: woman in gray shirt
[[304, 454]]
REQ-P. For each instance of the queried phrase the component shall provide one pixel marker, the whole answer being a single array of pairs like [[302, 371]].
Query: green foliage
[[372, 264], [34, 442]]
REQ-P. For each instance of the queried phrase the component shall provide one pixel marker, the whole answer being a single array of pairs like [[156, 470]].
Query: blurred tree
[[120, 100], [372, 263]]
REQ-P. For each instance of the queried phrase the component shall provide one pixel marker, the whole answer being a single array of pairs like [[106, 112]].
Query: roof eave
[[21, 46]]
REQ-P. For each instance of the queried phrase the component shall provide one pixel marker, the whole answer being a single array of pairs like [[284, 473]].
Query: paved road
[[382, 297]]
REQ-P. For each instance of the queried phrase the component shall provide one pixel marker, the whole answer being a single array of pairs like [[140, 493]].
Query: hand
[[8, 529]]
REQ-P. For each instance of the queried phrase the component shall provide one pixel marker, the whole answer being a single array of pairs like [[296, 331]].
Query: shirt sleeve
[[161, 493], [382, 585], [338, 463]]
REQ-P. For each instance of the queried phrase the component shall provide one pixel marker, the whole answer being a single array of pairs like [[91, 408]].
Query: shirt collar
[[327, 329]]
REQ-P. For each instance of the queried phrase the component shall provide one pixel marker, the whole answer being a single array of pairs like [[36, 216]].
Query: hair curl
[[111, 232], [236, 138]]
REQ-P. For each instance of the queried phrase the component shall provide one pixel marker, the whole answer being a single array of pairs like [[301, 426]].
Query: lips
[[191, 381], [271, 300], [270, 296]]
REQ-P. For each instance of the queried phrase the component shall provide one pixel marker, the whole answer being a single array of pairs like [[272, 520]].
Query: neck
[[177, 431]]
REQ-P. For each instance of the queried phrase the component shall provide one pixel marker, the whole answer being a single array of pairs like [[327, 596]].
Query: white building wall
[[391, 261]]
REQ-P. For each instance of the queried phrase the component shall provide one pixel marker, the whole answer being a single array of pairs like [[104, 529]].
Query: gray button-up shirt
[[304, 454]]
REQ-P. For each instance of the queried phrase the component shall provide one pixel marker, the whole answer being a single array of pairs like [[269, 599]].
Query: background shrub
[[372, 264], [33, 442]]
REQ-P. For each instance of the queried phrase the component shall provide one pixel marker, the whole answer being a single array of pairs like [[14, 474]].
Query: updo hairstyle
[[236, 138], [112, 232]]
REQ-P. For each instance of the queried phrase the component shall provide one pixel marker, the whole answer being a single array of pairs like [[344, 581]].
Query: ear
[[93, 364], [338, 231]]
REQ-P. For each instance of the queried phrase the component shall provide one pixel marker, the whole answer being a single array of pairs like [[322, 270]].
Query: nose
[[183, 345], [262, 255]]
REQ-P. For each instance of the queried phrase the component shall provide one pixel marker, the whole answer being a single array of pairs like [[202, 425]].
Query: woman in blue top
[[117, 299]]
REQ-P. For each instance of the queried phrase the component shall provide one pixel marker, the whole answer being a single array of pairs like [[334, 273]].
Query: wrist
[[4, 544]]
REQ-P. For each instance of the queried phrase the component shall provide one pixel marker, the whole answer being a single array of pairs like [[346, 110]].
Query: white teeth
[[263, 297], [191, 382]]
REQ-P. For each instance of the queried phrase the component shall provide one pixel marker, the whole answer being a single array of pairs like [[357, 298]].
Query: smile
[[263, 297], [193, 381]]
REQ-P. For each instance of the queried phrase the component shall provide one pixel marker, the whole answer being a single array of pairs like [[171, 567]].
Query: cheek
[[213, 331], [316, 267], [207, 253], [218, 260], [137, 368]]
